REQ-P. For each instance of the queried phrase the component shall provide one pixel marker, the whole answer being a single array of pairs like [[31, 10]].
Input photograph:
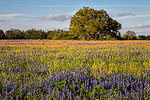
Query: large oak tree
[[90, 24]]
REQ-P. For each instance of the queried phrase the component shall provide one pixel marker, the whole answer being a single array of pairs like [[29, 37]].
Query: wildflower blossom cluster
[[81, 73]]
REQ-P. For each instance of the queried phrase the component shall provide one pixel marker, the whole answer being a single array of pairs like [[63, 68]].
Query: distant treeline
[[58, 35], [35, 34]]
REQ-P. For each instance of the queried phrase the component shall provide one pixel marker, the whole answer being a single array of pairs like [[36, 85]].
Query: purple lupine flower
[[141, 92], [120, 95], [144, 91], [141, 86], [140, 98], [100, 94], [68, 81], [108, 91], [2, 91], [42, 97], [116, 96], [17, 98], [21, 88], [11, 82], [114, 79], [78, 87], [29, 94], [25, 88], [45, 86], [70, 95], [66, 87], [73, 83], [33, 91], [146, 84], [85, 85], [58, 95], [53, 95], [87, 88], [148, 92], [39, 90], [137, 89], [103, 85], [137, 95], [63, 89], [91, 80], [93, 95], [63, 96], [1, 98], [132, 95], [6, 95], [99, 82], [90, 89], [55, 88], [76, 80], [113, 86], [79, 83], [125, 91]]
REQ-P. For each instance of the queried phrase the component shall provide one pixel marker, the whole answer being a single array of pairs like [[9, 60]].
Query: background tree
[[35, 34], [148, 37], [2, 35], [55, 34], [141, 37], [91, 24], [58, 35], [129, 35], [14, 34]]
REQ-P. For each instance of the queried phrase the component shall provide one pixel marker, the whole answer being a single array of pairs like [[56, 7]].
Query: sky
[[55, 14]]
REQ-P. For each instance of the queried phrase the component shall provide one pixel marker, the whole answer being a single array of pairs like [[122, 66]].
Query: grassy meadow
[[80, 70]]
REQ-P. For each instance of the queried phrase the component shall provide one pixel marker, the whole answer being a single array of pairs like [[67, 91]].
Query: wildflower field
[[74, 70]]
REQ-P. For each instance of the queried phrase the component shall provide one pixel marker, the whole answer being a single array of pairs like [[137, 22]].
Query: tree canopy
[[2, 35], [58, 35], [35, 34], [14, 34], [129, 35], [90, 24], [141, 37]]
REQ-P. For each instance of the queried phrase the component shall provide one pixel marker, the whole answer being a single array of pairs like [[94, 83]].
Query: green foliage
[[141, 37], [14, 34], [58, 35], [129, 35], [90, 24], [35, 34], [2, 35], [148, 37]]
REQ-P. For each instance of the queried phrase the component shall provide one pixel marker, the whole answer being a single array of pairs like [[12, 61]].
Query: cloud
[[122, 14], [11, 15], [2, 21], [133, 16], [138, 26], [143, 32], [61, 17]]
